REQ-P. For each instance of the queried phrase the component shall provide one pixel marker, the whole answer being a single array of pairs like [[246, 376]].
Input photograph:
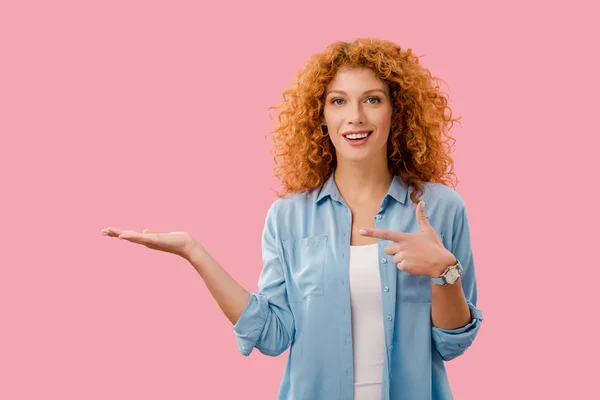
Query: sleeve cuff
[[251, 323], [451, 343]]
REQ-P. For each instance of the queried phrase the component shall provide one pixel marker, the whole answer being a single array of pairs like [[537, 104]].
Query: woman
[[368, 274]]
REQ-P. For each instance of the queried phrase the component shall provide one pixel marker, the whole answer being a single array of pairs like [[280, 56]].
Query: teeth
[[357, 135]]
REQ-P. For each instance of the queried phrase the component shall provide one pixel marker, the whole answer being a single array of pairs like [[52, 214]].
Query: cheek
[[333, 126], [335, 139], [332, 122], [384, 121]]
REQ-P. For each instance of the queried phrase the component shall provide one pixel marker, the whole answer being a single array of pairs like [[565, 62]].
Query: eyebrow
[[368, 91]]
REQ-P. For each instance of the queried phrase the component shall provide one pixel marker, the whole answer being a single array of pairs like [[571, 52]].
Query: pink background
[[148, 114]]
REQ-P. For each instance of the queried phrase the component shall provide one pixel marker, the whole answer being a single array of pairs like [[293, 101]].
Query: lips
[[357, 141], [357, 136], [352, 132]]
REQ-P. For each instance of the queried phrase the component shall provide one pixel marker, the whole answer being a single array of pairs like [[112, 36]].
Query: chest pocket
[[306, 267], [414, 288]]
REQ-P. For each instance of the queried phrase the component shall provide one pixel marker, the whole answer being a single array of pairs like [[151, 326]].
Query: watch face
[[452, 275]]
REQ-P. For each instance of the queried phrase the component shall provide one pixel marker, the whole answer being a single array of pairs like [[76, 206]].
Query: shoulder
[[286, 206], [441, 192], [442, 198], [295, 200]]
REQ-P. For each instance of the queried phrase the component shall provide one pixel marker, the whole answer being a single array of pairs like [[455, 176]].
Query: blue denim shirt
[[303, 302]]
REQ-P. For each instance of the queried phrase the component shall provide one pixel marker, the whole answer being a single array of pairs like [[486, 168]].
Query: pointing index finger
[[382, 234]]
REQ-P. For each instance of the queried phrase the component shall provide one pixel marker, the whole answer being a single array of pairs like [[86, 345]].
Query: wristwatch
[[450, 275]]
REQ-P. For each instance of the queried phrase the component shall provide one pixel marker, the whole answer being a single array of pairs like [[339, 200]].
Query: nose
[[357, 116]]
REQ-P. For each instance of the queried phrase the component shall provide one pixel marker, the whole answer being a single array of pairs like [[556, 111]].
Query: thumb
[[421, 216], [148, 231]]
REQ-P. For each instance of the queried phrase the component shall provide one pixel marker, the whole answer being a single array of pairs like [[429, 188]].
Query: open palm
[[179, 243]]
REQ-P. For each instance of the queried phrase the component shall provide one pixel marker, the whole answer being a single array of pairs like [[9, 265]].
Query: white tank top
[[368, 341]]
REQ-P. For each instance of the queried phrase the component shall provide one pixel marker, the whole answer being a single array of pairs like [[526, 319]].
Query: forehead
[[356, 80]]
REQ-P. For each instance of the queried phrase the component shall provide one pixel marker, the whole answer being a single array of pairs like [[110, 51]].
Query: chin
[[355, 157]]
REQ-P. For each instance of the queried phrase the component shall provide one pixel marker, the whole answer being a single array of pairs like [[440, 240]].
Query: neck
[[363, 182]]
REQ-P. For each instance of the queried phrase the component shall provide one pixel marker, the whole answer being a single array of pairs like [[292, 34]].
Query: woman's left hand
[[420, 253]]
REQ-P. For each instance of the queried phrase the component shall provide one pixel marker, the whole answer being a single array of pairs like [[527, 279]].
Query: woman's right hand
[[179, 243]]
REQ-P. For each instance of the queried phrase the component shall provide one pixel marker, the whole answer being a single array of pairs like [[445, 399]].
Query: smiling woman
[[371, 289], [391, 83]]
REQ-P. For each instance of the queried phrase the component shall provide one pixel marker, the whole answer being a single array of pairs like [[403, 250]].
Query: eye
[[376, 100]]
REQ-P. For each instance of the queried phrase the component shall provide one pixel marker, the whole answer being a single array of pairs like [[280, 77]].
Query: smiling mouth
[[358, 136]]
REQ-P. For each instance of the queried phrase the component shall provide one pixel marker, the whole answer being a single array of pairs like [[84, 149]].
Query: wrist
[[196, 255], [444, 262]]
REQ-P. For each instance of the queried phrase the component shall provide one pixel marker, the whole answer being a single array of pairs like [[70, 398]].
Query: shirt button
[[389, 317], [390, 347], [378, 216], [386, 289], [383, 260]]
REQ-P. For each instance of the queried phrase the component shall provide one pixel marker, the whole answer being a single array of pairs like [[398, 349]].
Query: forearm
[[449, 308], [229, 295]]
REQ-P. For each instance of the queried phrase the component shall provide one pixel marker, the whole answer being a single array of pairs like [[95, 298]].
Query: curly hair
[[419, 143]]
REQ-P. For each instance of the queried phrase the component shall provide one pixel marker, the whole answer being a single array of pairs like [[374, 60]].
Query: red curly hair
[[419, 143]]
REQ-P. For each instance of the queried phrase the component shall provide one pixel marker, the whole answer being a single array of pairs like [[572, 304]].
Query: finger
[[148, 231], [391, 249], [110, 231], [116, 231], [398, 257], [401, 265], [141, 238], [133, 237], [126, 232], [421, 216], [382, 234], [145, 239]]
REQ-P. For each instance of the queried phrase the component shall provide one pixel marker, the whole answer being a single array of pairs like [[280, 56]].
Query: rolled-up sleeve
[[452, 343], [267, 322]]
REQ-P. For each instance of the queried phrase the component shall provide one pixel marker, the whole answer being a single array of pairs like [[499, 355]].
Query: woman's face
[[357, 101]]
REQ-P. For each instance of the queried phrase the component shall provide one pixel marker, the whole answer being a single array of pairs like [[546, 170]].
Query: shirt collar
[[398, 190]]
